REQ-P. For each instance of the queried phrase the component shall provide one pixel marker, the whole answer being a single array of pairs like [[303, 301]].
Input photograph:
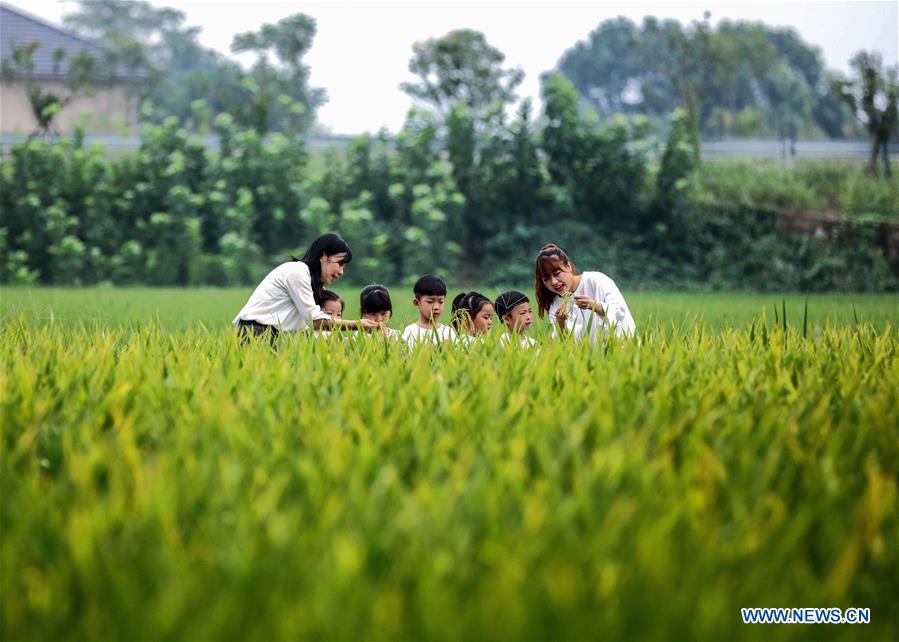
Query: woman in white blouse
[[583, 305], [290, 296]]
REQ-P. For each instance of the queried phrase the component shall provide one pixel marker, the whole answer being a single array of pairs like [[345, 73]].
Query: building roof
[[18, 27]]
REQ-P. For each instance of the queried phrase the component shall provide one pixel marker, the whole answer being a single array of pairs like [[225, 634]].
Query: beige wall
[[106, 110]]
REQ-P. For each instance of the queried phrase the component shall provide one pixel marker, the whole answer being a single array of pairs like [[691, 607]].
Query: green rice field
[[161, 482], [179, 309]]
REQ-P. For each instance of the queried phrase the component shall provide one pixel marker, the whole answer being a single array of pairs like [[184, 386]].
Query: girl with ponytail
[[472, 315], [375, 305]]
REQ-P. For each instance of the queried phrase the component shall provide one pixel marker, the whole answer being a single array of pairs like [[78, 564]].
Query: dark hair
[[507, 301], [429, 285], [374, 298], [550, 258], [324, 245], [330, 295], [467, 304]]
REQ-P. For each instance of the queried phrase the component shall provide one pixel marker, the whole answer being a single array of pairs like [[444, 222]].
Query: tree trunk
[[872, 161], [690, 103], [885, 153]]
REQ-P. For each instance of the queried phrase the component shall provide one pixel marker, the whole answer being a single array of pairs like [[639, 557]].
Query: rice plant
[[171, 484]]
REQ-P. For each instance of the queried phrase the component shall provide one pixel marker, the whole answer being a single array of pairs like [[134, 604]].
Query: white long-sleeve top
[[284, 299], [599, 287]]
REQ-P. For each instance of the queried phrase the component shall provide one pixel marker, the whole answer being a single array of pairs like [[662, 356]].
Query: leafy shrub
[[475, 207]]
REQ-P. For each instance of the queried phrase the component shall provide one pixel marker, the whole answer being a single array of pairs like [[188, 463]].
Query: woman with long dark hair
[[581, 304], [290, 296]]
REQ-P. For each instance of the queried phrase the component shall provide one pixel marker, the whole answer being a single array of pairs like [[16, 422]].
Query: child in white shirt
[[430, 298], [514, 309], [472, 317], [374, 304]]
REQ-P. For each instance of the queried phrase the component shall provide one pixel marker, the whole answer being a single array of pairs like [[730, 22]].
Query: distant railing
[[737, 148], [114, 144], [800, 150]]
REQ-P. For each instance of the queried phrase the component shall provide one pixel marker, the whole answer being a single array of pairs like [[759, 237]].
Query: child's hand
[[368, 325], [586, 303]]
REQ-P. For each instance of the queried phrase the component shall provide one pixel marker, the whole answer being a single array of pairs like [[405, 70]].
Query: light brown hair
[[549, 259]]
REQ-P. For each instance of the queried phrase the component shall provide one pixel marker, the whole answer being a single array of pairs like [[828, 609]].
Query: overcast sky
[[362, 49]]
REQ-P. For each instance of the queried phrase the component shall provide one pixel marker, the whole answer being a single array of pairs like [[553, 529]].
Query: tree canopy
[[735, 79], [461, 67], [872, 96], [175, 71]]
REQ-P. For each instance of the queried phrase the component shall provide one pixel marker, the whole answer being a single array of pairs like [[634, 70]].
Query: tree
[[738, 57], [135, 36], [650, 69], [605, 70], [872, 97], [136, 20], [677, 164], [462, 78], [688, 52], [791, 103], [286, 83], [718, 75], [512, 198], [173, 71], [828, 112], [461, 68], [831, 112], [151, 47], [80, 78], [598, 168]]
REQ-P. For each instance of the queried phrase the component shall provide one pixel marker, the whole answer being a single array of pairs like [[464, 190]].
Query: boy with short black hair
[[430, 299], [514, 309]]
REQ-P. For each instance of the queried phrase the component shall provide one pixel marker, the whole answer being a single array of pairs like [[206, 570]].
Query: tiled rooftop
[[20, 28]]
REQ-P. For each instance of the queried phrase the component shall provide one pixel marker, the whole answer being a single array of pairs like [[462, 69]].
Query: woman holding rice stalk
[[579, 305], [290, 296]]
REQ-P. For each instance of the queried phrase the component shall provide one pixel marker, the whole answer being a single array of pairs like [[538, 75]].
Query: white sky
[[361, 51]]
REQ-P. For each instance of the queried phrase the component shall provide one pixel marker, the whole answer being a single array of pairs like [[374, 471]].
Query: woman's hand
[[562, 315], [586, 303]]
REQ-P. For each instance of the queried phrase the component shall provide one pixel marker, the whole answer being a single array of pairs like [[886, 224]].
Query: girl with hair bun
[[472, 315], [584, 305], [375, 305]]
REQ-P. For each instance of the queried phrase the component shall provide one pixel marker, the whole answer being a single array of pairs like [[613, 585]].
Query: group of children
[[471, 318]]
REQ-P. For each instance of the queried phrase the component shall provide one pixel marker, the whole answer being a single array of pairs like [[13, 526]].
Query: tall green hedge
[[472, 201]]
